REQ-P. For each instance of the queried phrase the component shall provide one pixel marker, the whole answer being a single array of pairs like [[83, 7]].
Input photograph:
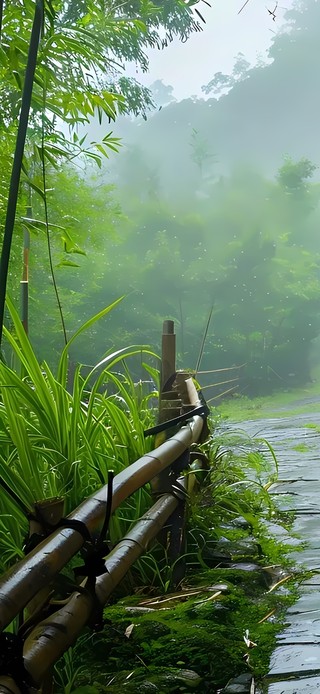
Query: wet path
[[295, 664]]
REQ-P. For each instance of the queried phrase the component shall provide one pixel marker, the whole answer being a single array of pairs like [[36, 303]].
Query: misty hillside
[[272, 111]]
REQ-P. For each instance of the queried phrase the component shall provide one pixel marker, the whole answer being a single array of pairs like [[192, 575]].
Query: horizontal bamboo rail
[[54, 635], [21, 583]]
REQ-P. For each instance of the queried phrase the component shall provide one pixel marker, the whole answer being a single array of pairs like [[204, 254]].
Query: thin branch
[[243, 6], [221, 383], [203, 341], [46, 219], [227, 368]]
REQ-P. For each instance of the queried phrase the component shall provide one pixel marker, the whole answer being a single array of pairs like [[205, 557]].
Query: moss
[[203, 634], [301, 448], [313, 426]]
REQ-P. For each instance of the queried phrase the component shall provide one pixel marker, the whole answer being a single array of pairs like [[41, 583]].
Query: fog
[[213, 203]]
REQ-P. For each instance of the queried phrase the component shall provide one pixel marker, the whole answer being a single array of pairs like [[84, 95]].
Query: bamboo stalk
[[18, 155], [19, 585]]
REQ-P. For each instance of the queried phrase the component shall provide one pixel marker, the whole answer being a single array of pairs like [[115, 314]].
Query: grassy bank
[[239, 408]]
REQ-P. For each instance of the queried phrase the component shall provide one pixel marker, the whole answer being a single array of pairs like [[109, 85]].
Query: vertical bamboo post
[[168, 353], [167, 407], [169, 402], [172, 536]]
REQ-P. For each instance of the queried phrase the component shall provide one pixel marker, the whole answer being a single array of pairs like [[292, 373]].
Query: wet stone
[[314, 543], [295, 660], [307, 633], [308, 490], [240, 522], [291, 502], [312, 581], [307, 525], [244, 566], [305, 685], [295, 663], [246, 548], [308, 558], [306, 603], [239, 685], [280, 533]]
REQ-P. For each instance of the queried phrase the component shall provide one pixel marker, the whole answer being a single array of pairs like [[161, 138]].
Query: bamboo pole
[[54, 635], [18, 154], [8, 686], [168, 358], [45, 512], [19, 585]]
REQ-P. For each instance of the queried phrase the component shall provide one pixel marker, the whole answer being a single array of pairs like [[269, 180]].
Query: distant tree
[[221, 83], [200, 150], [292, 176], [161, 93]]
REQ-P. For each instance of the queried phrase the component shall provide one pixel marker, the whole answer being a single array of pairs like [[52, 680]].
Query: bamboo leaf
[[63, 362]]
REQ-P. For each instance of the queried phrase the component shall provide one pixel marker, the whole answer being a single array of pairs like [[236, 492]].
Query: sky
[[187, 66]]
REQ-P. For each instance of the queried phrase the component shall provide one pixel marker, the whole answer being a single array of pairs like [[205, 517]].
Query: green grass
[[281, 404], [58, 440]]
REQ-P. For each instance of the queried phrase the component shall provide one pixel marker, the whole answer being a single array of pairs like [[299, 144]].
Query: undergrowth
[[223, 618]]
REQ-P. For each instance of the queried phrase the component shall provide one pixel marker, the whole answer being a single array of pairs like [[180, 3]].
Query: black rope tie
[[93, 551], [201, 411], [48, 528], [93, 554]]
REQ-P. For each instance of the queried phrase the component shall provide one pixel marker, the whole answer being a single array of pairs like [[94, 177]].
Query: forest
[[182, 221], [121, 207]]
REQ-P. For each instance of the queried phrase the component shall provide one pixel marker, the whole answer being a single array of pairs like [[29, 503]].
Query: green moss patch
[[149, 641]]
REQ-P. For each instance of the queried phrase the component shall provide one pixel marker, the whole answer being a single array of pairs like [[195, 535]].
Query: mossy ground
[[174, 643]]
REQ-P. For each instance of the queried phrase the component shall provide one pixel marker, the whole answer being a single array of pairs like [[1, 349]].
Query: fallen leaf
[[128, 630]]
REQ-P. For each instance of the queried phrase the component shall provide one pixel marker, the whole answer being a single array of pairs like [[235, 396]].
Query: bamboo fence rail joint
[[202, 411]]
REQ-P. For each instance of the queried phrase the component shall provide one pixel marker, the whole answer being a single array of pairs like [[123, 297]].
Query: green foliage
[[260, 274], [155, 641], [59, 439], [293, 175], [260, 277], [97, 38]]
